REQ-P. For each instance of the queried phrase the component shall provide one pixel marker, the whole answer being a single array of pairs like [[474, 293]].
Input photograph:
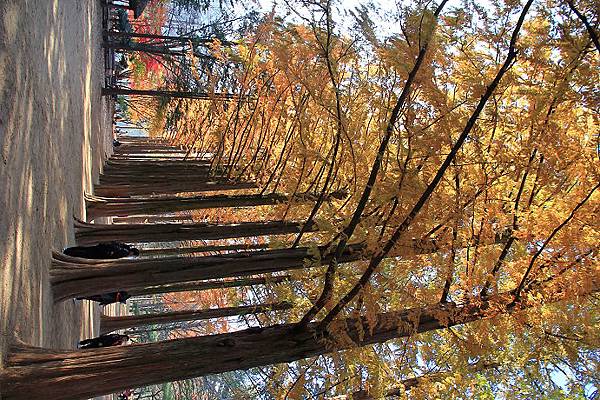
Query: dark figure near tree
[[101, 251], [125, 395], [114, 339], [108, 298]]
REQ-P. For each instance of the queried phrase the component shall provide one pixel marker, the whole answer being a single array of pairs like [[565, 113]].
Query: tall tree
[[73, 277], [109, 323]]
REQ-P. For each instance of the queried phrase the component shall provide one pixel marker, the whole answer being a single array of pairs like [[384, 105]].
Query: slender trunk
[[169, 187], [148, 147], [126, 177], [175, 251], [35, 373], [109, 323], [168, 165], [162, 173], [155, 49], [170, 94], [152, 157], [181, 39], [105, 206], [133, 173], [153, 219], [87, 234], [207, 285]]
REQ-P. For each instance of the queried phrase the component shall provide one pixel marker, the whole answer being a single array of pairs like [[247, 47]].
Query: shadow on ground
[[54, 128]]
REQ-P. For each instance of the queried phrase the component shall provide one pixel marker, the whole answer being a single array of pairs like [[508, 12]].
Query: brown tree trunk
[[170, 94], [176, 251], [153, 219], [126, 177], [141, 157], [207, 285], [106, 206], [155, 49], [135, 174], [76, 277], [181, 39], [127, 166], [109, 323], [86, 233], [35, 373], [132, 148], [167, 187]]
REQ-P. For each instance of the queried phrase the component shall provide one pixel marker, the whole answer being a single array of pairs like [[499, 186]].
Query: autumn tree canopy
[[453, 122]]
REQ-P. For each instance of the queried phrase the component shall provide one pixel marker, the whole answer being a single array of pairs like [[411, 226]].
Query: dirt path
[[54, 131]]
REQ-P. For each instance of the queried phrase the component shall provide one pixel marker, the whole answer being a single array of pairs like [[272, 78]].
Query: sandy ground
[[54, 133]]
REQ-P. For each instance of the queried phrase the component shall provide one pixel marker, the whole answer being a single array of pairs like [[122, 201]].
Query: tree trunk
[[170, 94], [190, 178], [167, 187], [76, 277], [175, 251], [106, 206], [35, 373], [153, 219], [181, 39], [119, 171], [144, 165], [109, 323], [87, 234], [132, 148], [207, 285]]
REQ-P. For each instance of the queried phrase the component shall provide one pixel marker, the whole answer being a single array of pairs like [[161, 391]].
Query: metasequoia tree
[[154, 186], [109, 323], [123, 206], [179, 250], [86, 233], [207, 285]]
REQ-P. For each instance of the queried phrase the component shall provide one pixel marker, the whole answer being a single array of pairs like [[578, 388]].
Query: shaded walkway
[[53, 135]]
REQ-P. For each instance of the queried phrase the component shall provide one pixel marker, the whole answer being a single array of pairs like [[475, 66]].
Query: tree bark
[[109, 323], [207, 285], [182, 39], [36, 373], [106, 206], [167, 187], [87, 234], [119, 170], [152, 219], [140, 147], [176, 251], [170, 94], [155, 49]]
